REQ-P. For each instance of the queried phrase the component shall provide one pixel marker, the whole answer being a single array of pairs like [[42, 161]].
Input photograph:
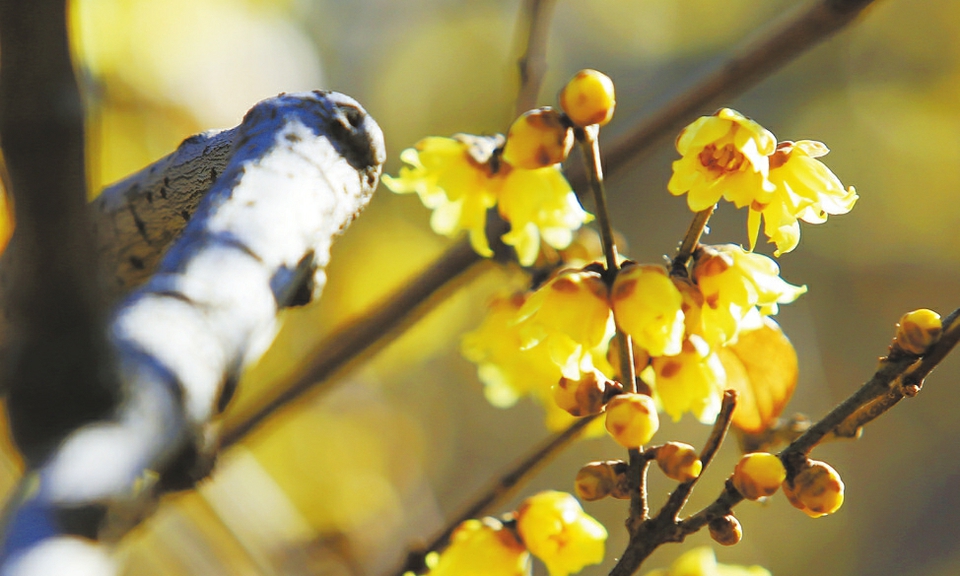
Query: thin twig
[[908, 384], [750, 63], [501, 489], [690, 241], [647, 535], [533, 63]]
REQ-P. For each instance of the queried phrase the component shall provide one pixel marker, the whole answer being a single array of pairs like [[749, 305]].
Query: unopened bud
[[679, 461], [537, 139], [588, 98], [726, 530], [758, 475], [584, 396], [632, 419], [594, 481], [917, 331], [817, 489]]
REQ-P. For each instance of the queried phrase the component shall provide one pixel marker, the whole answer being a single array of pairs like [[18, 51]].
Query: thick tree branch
[[302, 168]]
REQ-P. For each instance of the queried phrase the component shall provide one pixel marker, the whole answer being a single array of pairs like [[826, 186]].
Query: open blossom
[[482, 548], [647, 306], [570, 316], [556, 530], [539, 205], [691, 381], [734, 282], [459, 179], [805, 189], [723, 155], [451, 182]]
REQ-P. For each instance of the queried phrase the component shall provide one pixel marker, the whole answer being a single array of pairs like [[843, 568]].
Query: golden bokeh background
[[344, 481]]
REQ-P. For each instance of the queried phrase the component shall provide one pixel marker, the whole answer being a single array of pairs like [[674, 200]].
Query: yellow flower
[[722, 155], [805, 189], [539, 205], [647, 306], [509, 371], [482, 549], [691, 381], [556, 530], [702, 562], [570, 316], [449, 179], [733, 282], [460, 179]]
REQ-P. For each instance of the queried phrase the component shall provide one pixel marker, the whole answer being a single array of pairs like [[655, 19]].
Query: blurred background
[[346, 480]]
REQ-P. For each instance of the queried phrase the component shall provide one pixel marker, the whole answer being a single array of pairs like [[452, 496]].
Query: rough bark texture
[[302, 167]]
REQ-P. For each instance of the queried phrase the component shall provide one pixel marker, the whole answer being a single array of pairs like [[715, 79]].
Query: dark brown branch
[[690, 241], [56, 369]]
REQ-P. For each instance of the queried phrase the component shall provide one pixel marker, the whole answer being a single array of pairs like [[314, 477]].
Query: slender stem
[[501, 489], [590, 146], [533, 63], [691, 240]]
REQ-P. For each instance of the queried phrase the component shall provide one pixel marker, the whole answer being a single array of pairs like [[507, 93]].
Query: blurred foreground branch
[[302, 168]]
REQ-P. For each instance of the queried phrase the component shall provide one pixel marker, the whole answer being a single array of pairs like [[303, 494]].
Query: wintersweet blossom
[[461, 178], [723, 155], [734, 282], [509, 371], [691, 381], [647, 306], [450, 180], [556, 530], [570, 316], [539, 205], [702, 562], [805, 189], [482, 548]]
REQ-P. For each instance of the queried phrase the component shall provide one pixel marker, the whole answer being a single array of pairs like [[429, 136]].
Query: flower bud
[[758, 475], [584, 396], [632, 419], [817, 489], [588, 98], [679, 461], [918, 330], [594, 481], [537, 139], [726, 530]]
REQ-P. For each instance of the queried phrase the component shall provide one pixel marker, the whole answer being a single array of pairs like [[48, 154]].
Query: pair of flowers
[[729, 156]]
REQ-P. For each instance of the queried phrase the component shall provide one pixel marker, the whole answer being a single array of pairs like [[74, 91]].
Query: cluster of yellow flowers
[[550, 526], [562, 331], [702, 562], [730, 156]]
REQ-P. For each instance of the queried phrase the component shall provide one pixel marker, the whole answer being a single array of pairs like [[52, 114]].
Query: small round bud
[[537, 139], [584, 396], [679, 461], [594, 481], [632, 419], [758, 475], [588, 98], [817, 489], [726, 530], [918, 330]]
